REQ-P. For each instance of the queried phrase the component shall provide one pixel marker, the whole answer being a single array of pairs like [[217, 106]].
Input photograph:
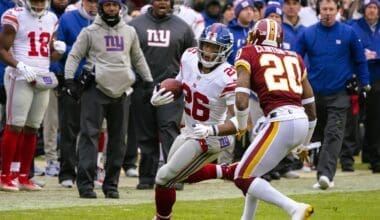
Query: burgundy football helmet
[[266, 32]]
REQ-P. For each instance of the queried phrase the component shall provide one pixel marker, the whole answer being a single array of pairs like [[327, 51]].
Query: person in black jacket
[[163, 39]]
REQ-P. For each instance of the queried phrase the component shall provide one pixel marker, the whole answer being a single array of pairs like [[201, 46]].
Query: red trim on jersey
[[199, 21], [9, 103], [228, 89], [254, 152], [10, 19]]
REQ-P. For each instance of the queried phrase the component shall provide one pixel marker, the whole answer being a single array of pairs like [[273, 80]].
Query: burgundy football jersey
[[276, 75]]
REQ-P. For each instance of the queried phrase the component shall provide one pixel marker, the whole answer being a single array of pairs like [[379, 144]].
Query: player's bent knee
[[243, 183], [164, 175]]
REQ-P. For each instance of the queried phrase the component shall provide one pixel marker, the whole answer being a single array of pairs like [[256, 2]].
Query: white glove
[[203, 131], [59, 46], [161, 97], [26, 71]]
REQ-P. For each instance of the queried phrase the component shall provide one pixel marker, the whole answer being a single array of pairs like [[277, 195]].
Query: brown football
[[172, 85]]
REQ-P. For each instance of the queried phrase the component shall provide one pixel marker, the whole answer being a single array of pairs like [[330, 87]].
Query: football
[[172, 85]]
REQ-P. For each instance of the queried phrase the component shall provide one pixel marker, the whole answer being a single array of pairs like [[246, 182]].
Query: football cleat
[[26, 184], [6, 184], [303, 212]]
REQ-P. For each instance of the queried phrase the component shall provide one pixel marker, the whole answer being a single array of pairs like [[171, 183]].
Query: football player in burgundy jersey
[[279, 78], [27, 47], [209, 83]]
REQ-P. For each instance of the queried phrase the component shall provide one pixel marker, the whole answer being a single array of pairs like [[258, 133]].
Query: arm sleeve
[[357, 51], [61, 35], [10, 18], [79, 50], [243, 59], [300, 46], [138, 59]]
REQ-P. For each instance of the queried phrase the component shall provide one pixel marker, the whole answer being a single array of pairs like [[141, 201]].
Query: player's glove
[[71, 89], [203, 131], [302, 153], [161, 97], [59, 46], [26, 71]]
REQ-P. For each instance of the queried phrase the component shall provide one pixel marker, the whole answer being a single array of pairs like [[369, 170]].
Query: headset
[[337, 2]]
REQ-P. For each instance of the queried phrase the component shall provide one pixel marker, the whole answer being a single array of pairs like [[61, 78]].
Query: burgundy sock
[[229, 171], [27, 149], [207, 172], [8, 149], [101, 141], [165, 199]]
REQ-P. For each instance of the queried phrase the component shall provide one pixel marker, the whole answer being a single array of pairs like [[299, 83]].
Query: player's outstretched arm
[[308, 101]]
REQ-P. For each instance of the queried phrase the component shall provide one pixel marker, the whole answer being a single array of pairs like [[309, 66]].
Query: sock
[[165, 199], [229, 171], [8, 149], [261, 189], [208, 171], [28, 147], [101, 141], [250, 207]]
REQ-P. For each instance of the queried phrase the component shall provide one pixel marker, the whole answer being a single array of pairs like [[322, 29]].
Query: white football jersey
[[193, 18], [33, 36], [206, 95]]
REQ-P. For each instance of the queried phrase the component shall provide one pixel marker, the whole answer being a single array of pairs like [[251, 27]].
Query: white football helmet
[[36, 10]]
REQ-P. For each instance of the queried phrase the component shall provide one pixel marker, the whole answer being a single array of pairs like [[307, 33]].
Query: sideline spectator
[[163, 38], [368, 29], [69, 110], [333, 48], [111, 48]]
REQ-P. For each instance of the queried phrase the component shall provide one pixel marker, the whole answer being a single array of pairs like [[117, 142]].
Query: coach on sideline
[[333, 49], [111, 47]]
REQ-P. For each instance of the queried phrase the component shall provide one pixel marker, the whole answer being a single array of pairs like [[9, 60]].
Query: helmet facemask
[[36, 10], [216, 53]]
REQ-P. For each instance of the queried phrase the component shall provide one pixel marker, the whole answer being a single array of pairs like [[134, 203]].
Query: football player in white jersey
[[27, 46], [209, 86]]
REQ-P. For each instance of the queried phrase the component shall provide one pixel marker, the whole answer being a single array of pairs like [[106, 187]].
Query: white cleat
[[324, 183], [303, 212], [67, 184]]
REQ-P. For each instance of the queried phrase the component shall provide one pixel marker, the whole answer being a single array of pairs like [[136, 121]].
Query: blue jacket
[[70, 25], [240, 34], [291, 35], [209, 20], [332, 52], [371, 41], [54, 65], [4, 6]]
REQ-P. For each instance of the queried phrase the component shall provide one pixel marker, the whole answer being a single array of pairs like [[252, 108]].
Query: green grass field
[[355, 196], [353, 205]]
